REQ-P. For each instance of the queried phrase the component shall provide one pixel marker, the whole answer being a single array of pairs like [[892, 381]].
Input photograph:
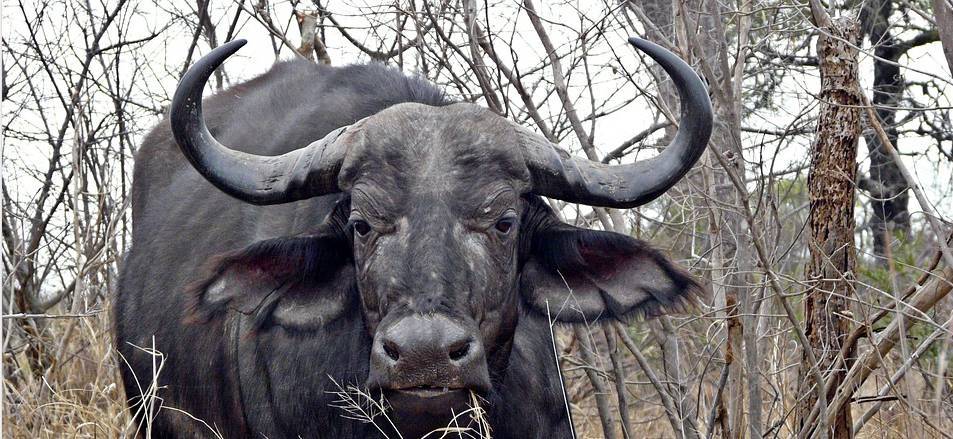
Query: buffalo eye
[[361, 227], [505, 225]]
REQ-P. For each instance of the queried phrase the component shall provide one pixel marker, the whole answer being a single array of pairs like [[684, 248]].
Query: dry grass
[[359, 404], [80, 396]]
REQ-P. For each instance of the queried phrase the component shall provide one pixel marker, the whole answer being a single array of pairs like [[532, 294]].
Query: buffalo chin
[[420, 410]]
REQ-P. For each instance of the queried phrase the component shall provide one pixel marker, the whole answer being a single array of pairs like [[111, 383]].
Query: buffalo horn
[[303, 173], [557, 175]]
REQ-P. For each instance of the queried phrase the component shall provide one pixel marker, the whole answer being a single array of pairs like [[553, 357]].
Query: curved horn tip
[[227, 49], [648, 46], [238, 42], [193, 82], [216, 57], [636, 41]]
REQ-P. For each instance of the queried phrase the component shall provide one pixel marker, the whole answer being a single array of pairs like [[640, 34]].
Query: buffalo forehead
[[451, 150]]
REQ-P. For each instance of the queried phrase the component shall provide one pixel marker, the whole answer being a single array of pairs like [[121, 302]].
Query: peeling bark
[[311, 44], [829, 273]]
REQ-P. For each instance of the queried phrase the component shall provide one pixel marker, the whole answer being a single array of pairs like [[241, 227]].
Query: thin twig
[[50, 316], [932, 216]]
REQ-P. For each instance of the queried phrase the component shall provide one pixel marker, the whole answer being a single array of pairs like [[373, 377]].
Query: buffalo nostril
[[458, 353], [391, 350]]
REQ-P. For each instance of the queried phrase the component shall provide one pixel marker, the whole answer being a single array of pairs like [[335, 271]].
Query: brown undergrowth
[[80, 395]]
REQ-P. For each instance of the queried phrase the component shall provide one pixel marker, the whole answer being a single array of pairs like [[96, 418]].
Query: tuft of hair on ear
[[265, 265], [683, 298], [684, 294]]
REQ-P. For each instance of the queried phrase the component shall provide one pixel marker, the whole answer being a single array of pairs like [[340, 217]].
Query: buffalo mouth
[[419, 410], [426, 392], [428, 401]]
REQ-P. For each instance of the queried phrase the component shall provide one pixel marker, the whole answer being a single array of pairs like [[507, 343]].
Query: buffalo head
[[442, 238]]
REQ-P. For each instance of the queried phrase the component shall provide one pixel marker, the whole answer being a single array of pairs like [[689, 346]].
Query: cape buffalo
[[319, 226]]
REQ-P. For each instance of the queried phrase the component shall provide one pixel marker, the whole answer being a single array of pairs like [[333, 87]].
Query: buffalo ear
[[578, 275], [297, 282]]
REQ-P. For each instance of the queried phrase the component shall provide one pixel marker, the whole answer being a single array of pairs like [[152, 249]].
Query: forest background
[[819, 217]]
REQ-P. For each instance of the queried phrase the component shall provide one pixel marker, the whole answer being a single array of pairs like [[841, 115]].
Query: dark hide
[[299, 283], [255, 310], [581, 275]]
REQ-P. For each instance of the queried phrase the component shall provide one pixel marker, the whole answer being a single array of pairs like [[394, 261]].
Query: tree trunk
[[831, 179], [885, 184], [943, 11]]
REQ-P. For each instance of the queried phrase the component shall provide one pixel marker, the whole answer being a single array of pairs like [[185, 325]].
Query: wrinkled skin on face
[[435, 212]]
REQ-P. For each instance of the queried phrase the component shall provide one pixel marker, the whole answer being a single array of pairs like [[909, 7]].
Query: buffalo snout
[[427, 365], [428, 354]]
